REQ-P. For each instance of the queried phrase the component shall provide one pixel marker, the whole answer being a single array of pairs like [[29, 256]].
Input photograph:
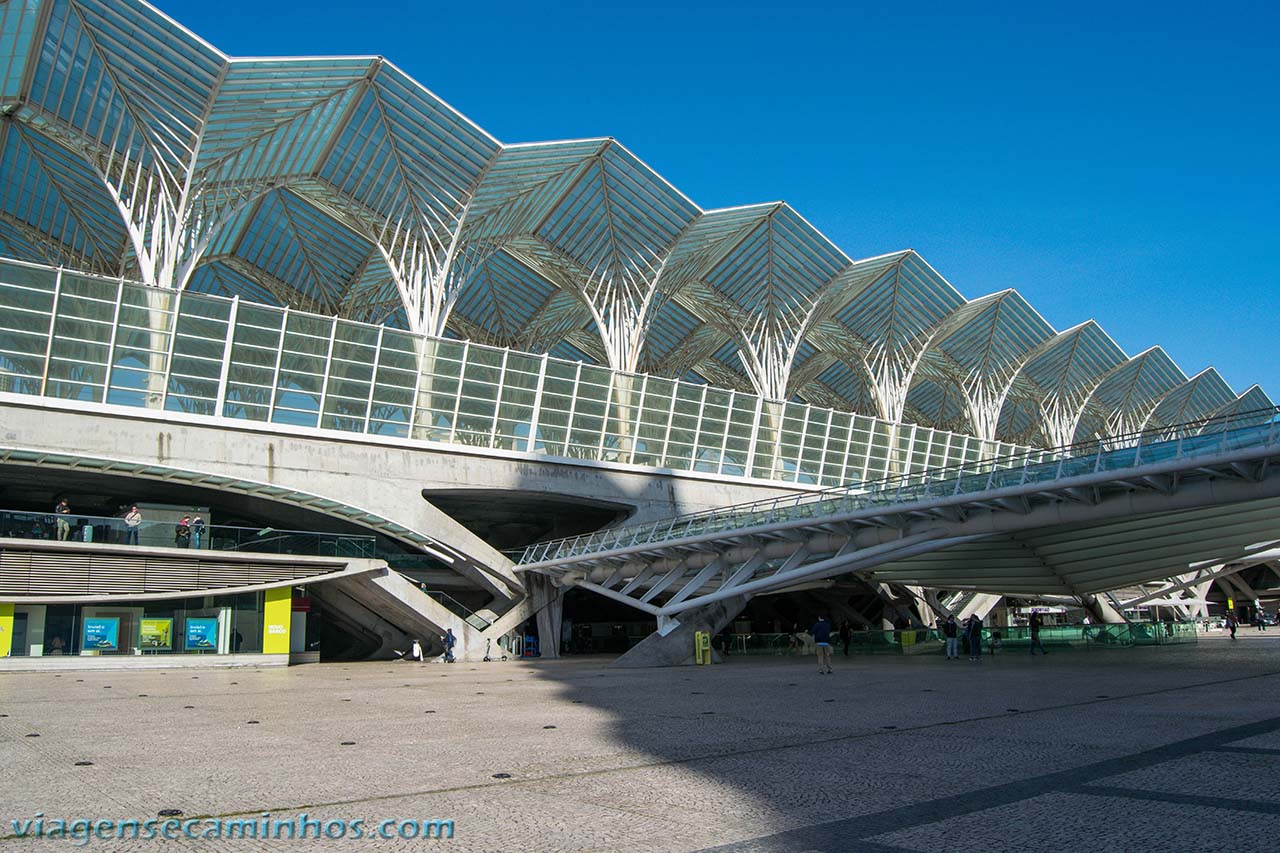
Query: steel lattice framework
[[130, 147]]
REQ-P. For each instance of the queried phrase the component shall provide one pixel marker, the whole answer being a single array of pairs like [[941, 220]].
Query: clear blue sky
[[1108, 162]]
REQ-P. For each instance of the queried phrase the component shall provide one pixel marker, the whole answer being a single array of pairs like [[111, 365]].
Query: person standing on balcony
[[132, 521], [182, 533], [821, 632], [61, 511], [197, 531]]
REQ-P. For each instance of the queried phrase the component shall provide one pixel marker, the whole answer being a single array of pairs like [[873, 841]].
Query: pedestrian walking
[[951, 630], [726, 640], [973, 631], [449, 642], [821, 632], [1232, 623], [61, 511], [182, 533], [1036, 622], [132, 521], [795, 643], [416, 652], [846, 635], [197, 531]]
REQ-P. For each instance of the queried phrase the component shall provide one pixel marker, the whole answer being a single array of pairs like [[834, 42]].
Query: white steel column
[[221, 402], [275, 376], [373, 378], [53, 323], [173, 344], [497, 400], [111, 345], [531, 444], [328, 371]]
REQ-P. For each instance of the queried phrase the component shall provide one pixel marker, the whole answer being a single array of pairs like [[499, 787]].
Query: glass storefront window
[[205, 625]]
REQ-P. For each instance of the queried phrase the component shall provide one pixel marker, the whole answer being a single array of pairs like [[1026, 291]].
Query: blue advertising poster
[[101, 633], [202, 635]]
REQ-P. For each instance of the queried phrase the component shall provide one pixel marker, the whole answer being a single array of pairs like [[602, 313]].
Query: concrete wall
[[382, 476]]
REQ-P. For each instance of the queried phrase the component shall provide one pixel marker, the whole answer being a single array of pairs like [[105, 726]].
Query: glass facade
[[77, 337], [199, 625]]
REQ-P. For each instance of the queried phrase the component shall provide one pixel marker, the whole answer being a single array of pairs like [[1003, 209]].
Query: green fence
[[1010, 640]]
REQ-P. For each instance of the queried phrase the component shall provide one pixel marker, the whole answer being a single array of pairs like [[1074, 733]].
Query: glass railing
[[998, 639], [112, 530], [74, 336], [1204, 437]]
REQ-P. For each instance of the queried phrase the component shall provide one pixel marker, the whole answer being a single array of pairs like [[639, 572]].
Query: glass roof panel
[[1124, 399], [1198, 397], [366, 150], [277, 115]]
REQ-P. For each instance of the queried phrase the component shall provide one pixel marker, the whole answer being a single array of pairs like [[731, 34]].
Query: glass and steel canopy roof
[[131, 147]]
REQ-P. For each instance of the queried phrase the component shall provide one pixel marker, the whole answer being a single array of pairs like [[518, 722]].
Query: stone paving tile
[[1267, 741], [1081, 823], [665, 759], [1210, 774]]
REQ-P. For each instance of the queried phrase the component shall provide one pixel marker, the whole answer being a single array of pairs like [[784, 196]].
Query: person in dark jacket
[[973, 631], [61, 511], [1036, 622], [821, 632], [951, 630], [182, 533], [846, 635]]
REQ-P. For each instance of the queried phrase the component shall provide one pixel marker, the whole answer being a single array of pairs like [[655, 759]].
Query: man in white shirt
[[132, 521]]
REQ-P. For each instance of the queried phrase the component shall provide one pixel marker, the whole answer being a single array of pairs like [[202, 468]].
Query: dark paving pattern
[[1156, 749]]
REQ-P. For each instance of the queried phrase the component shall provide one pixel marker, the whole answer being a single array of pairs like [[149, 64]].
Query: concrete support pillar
[[548, 603], [1101, 610], [675, 647]]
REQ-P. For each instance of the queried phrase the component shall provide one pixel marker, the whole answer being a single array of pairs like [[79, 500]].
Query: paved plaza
[[1173, 748]]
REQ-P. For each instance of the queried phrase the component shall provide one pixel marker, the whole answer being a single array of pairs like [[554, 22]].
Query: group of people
[[190, 531], [448, 641], [971, 631], [1233, 621]]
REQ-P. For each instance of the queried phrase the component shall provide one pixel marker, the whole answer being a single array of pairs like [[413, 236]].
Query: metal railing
[[79, 527], [1204, 437], [457, 608]]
